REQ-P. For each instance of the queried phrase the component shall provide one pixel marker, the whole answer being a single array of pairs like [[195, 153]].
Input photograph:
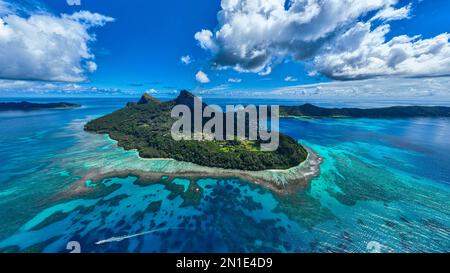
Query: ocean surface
[[384, 187]]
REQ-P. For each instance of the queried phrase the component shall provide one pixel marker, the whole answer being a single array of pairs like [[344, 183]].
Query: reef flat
[[156, 170]]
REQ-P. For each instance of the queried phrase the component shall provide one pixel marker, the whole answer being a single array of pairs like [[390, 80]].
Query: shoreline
[[283, 182]]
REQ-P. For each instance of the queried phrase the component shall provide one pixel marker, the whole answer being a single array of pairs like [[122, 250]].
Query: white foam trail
[[121, 238]]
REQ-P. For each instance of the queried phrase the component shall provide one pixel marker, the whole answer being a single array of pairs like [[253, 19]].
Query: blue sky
[[134, 46]]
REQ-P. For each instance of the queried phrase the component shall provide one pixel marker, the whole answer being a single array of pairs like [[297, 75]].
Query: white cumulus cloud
[[91, 66], [151, 91], [48, 47], [205, 39], [364, 53], [186, 59], [390, 14], [74, 2], [201, 77], [255, 35]]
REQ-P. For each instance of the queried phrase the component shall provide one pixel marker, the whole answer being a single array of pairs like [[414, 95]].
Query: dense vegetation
[[309, 110], [28, 106], [146, 125]]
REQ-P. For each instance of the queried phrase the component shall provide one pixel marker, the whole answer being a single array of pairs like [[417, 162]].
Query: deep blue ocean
[[384, 187]]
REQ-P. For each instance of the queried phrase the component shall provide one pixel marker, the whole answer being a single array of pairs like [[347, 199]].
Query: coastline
[[149, 170]]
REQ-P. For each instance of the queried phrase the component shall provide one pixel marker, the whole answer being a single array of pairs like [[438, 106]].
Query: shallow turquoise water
[[384, 186]]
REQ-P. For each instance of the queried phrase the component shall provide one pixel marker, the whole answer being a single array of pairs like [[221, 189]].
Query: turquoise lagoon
[[384, 186]]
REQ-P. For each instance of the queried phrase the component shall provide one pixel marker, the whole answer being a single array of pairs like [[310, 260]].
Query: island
[[28, 106], [309, 110], [146, 127]]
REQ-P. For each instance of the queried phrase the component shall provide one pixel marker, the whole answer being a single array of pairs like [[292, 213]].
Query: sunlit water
[[384, 186]]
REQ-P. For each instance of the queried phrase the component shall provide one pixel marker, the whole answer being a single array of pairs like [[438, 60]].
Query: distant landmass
[[28, 106], [146, 126], [309, 110]]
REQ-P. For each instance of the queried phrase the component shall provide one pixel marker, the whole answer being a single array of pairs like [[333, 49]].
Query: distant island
[[309, 110], [145, 126], [28, 106]]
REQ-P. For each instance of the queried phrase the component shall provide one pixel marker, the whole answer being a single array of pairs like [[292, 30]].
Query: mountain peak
[[146, 98], [184, 94], [187, 98], [309, 105]]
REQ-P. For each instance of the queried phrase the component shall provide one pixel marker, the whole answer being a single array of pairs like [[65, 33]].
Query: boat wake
[[125, 237]]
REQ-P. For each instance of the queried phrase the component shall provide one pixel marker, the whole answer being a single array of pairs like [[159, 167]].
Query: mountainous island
[[146, 127], [28, 106], [309, 110]]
